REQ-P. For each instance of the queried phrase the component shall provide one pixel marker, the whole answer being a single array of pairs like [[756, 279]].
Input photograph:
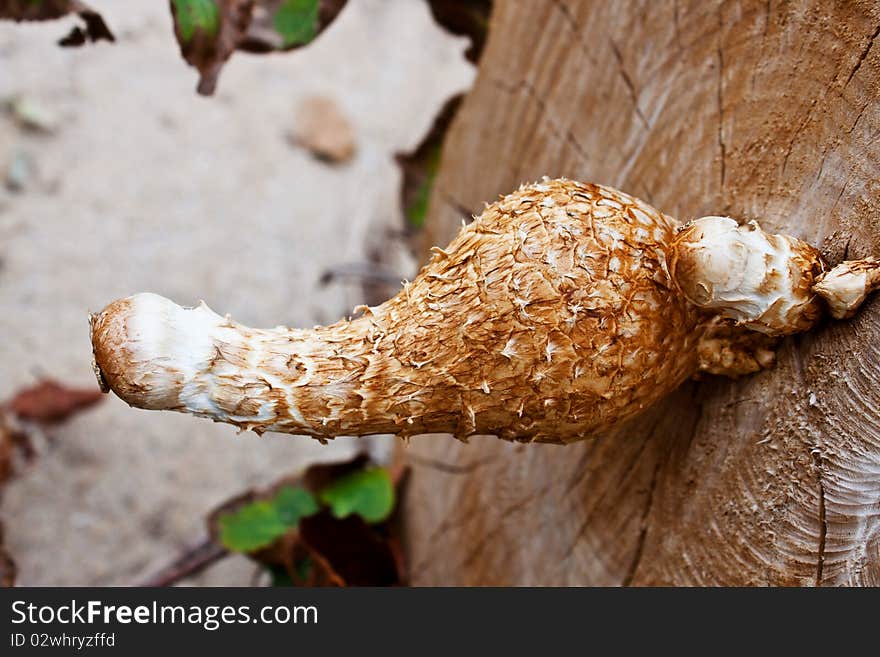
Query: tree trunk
[[759, 110]]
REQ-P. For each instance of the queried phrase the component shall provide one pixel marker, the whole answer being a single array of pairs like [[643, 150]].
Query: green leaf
[[251, 527], [293, 504], [369, 493], [297, 21], [418, 209], [260, 523], [196, 15]]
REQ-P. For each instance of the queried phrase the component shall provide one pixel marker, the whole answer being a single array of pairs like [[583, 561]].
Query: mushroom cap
[[760, 280]]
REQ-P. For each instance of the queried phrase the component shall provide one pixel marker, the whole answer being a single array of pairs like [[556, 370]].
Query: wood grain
[[760, 110]]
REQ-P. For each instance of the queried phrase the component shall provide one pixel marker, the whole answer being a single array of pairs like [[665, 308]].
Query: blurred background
[[118, 178]]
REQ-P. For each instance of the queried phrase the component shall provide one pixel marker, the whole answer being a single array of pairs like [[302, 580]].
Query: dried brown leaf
[[8, 570], [12, 440], [49, 401], [95, 28], [320, 475], [46, 402], [358, 552], [468, 18], [302, 565], [7, 450]]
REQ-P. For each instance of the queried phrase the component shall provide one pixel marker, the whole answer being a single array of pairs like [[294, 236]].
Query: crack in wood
[[467, 213], [797, 132], [562, 134], [676, 26], [816, 103], [863, 56], [569, 17], [643, 532], [575, 27], [821, 166], [816, 452], [504, 515], [585, 524], [581, 470], [846, 248], [823, 533], [631, 88], [722, 147], [448, 468], [582, 529], [839, 196], [859, 117]]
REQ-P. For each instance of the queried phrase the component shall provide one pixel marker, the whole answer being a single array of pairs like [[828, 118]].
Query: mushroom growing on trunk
[[564, 309]]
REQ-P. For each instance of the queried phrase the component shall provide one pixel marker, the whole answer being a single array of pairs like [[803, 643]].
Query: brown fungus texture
[[552, 317]]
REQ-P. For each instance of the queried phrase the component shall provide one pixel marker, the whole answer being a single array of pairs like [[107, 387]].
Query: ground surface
[[147, 187]]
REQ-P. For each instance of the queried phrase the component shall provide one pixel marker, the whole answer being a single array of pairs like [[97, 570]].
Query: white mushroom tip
[[846, 287], [146, 347]]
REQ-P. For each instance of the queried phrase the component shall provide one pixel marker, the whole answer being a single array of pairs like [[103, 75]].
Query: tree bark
[[759, 110]]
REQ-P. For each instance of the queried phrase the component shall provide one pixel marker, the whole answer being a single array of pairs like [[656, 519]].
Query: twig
[[192, 561], [360, 272]]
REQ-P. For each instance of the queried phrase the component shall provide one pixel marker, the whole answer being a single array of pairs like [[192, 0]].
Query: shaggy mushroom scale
[[562, 310]]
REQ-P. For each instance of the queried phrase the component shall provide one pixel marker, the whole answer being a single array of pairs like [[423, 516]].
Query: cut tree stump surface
[[759, 110]]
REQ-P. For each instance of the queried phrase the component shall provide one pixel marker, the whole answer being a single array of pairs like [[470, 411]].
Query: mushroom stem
[[155, 354]]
